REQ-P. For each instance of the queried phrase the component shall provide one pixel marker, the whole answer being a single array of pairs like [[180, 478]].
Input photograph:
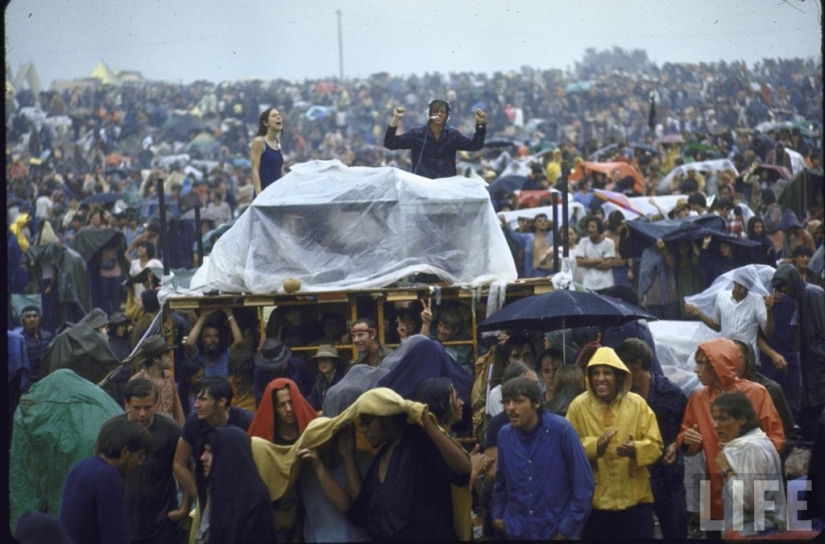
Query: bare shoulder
[[257, 143]]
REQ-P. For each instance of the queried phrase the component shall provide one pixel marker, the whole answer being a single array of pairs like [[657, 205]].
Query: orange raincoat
[[724, 356]]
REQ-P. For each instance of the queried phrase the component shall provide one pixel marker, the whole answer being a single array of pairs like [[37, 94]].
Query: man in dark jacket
[[37, 340], [668, 403], [435, 144], [810, 316]]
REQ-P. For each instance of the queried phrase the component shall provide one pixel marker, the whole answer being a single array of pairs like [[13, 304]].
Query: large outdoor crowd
[[279, 433]]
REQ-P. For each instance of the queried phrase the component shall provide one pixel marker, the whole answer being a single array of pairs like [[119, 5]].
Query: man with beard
[[151, 494], [204, 343], [370, 351]]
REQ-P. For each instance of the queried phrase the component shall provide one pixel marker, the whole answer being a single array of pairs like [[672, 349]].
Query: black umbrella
[[564, 309], [101, 198]]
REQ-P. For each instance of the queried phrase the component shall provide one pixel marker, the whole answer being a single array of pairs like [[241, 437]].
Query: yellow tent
[[103, 73]]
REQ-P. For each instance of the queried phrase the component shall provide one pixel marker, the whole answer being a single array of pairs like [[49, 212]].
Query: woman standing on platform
[[266, 157]]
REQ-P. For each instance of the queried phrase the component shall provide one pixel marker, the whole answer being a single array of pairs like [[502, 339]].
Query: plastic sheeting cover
[[333, 227], [55, 426]]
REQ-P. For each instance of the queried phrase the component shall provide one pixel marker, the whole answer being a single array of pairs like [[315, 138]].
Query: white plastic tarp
[[333, 227], [710, 168]]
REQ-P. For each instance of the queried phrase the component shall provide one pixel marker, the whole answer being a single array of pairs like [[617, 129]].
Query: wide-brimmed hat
[[119, 318], [273, 355], [326, 350], [154, 346], [789, 221], [681, 204]]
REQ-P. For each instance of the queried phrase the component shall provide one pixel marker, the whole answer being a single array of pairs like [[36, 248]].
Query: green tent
[[55, 426]]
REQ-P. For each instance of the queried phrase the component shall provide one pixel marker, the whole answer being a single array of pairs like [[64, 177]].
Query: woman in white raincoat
[[751, 468]]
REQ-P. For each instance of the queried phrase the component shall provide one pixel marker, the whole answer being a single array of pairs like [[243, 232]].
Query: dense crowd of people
[[279, 434]]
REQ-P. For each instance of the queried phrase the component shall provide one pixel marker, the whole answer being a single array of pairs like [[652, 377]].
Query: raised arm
[[182, 470]]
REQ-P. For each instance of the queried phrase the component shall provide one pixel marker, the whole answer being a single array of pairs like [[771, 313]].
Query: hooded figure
[[419, 358], [241, 511], [810, 315], [723, 357], [622, 481], [263, 424]]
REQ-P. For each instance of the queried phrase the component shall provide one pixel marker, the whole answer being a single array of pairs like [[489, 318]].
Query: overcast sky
[[219, 40]]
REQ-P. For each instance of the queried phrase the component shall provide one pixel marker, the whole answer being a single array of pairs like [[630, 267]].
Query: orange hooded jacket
[[724, 356], [263, 424]]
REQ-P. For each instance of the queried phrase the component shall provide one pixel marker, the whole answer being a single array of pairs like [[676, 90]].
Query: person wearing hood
[[756, 233], [621, 439], [810, 318], [716, 363], [795, 236], [283, 413], [233, 499]]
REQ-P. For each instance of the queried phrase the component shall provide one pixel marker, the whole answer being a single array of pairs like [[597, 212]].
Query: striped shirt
[[741, 319]]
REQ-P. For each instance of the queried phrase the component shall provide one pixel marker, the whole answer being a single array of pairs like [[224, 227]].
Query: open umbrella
[[564, 309], [618, 199]]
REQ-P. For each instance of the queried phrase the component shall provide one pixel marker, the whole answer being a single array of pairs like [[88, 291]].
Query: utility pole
[[340, 48]]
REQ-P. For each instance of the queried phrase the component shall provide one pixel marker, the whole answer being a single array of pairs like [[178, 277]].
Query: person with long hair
[[756, 233], [265, 156]]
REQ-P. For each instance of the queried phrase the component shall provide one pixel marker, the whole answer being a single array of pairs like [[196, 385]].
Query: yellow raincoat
[[621, 482], [17, 228]]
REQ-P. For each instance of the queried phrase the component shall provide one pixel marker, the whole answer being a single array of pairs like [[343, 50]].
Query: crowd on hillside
[[736, 149]]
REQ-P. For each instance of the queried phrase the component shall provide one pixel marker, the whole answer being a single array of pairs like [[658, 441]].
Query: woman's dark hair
[[150, 249], [150, 300], [521, 387], [555, 354], [768, 196], [614, 220], [261, 118], [736, 405], [752, 228], [117, 434], [436, 393]]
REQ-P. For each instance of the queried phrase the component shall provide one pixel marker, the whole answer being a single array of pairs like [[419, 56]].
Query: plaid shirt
[[734, 226]]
